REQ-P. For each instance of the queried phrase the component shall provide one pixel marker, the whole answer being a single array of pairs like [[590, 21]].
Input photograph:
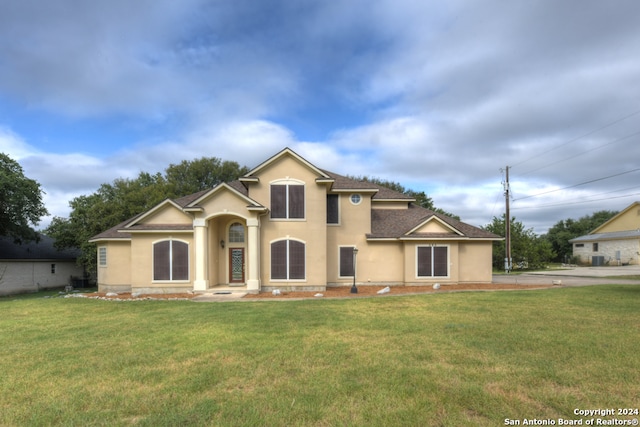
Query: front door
[[236, 265]]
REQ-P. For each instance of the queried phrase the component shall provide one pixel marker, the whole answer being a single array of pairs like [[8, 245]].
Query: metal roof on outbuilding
[[614, 235]]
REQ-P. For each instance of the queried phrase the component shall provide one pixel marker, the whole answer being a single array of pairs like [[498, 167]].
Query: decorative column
[[201, 282], [253, 280]]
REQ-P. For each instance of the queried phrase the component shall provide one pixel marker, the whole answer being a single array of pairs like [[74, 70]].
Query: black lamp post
[[354, 289]]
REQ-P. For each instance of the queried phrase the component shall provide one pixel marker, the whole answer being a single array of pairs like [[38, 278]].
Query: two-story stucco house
[[288, 224]]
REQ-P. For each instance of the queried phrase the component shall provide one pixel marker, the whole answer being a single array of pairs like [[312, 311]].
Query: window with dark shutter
[[440, 261], [433, 261], [170, 260], [296, 201], [346, 261], [424, 261], [296, 260], [179, 260], [332, 209], [161, 261], [278, 201], [287, 201], [279, 260], [288, 260]]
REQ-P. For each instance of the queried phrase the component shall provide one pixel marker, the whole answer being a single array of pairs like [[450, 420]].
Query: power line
[[578, 185], [583, 153], [575, 203], [579, 137]]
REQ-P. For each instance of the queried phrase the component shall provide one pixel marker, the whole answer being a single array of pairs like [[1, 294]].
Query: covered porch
[[226, 248]]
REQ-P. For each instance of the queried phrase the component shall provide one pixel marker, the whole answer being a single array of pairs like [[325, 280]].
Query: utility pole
[[507, 225]]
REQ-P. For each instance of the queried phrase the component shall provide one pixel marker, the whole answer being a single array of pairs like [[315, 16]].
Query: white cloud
[[435, 95], [13, 145]]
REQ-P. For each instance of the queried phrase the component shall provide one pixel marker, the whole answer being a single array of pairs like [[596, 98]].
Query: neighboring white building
[[616, 242], [33, 266]]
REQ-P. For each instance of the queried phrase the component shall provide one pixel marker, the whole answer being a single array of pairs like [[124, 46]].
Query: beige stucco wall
[[224, 202], [381, 263], [474, 262], [32, 276], [167, 214], [116, 275]]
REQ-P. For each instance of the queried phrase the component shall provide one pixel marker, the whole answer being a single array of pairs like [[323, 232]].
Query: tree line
[[532, 251]]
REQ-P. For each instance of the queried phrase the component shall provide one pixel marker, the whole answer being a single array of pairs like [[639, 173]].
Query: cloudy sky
[[437, 95]]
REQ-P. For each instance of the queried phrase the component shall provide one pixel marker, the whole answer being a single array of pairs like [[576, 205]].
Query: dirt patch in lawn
[[364, 291], [340, 292]]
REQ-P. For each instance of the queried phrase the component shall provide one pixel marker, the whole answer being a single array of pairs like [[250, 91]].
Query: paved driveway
[[575, 276]]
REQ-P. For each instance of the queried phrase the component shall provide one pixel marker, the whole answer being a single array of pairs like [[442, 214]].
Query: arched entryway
[[226, 252]]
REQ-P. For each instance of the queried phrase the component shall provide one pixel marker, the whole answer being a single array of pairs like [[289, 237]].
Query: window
[[287, 260], [333, 212], [102, 256], [236, 233], [579, 245], [287, 201], [170, 260], [53, 269], [346, 261], [433, 261], [356, 199], [595, 247]]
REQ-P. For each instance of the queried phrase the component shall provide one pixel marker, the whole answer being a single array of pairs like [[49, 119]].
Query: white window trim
[[351, 199], [448, 262]]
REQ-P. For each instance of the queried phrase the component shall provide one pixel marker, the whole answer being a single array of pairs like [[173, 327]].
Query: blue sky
[[436, 95]]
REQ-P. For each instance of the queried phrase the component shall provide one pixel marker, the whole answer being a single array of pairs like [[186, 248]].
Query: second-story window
[[287, 201], [333, 209]]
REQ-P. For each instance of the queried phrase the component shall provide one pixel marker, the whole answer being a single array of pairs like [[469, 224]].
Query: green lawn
[[474, 358]]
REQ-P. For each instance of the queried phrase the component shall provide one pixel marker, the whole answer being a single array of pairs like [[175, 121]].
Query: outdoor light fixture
[[354, 289], [222, 244]]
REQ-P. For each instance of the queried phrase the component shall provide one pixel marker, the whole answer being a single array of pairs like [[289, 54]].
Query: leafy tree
[[20, 202], [567, 229], [188, 177], [115, 203], [527, 248], [421, 197]]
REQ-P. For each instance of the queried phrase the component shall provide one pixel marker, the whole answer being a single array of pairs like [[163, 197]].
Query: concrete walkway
[[574, 276], [219, 296]]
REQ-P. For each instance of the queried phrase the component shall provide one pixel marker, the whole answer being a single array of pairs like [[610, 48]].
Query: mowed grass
[[448, 359]]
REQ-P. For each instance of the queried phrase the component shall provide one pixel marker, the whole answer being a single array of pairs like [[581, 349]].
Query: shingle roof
[[344, 183], [396, 223], [113, 232], [43, 249], [614, 235]]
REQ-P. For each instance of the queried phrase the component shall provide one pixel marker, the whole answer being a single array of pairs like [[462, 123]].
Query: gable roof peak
[[282, 153]]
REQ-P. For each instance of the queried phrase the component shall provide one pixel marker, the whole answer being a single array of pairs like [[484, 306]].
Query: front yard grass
[[474, 358]]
